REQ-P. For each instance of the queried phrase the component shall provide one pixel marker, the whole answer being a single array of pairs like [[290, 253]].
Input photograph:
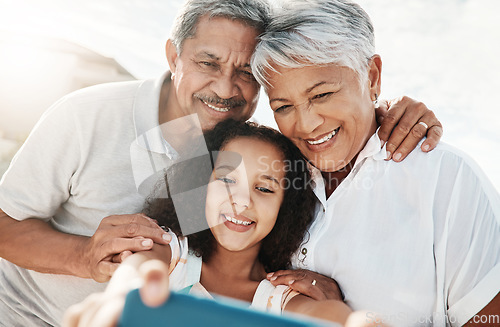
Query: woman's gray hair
[[315, 32], [254, 13]]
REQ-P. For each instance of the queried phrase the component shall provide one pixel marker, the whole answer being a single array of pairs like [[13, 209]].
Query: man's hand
[[118, 235], [400, 125], [34, 244], [307, 282]]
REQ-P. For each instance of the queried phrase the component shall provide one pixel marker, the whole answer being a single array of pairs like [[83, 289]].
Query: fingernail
[[397, 156], [389, 154], [166, 237], [273, 278], [147, 243], [153, 288], [270, 275], [426, 147], [291, 282]]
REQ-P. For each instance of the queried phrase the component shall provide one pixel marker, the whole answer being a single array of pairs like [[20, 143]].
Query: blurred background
[[443, 53]]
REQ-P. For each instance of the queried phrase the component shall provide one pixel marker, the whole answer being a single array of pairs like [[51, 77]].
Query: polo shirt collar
[[146, 107]]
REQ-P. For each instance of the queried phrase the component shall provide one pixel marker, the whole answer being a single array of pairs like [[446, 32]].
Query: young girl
[[259, 203]]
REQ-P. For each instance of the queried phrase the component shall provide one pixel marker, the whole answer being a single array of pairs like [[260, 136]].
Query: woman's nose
[[307, 120]]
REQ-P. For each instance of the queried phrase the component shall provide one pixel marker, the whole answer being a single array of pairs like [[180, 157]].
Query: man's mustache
[[231, 102]]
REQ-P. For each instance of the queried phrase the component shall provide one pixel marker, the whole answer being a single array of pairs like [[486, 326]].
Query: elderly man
[[82, 161]]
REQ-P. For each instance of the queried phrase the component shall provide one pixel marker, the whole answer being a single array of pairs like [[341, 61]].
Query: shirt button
[[324, 210], [304, 251]]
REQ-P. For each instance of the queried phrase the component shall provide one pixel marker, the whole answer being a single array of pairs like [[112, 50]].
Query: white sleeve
[[178, 269], [39, 177], [467, 246]]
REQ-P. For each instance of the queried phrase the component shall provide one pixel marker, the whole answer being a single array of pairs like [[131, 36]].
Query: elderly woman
[[431, 254]]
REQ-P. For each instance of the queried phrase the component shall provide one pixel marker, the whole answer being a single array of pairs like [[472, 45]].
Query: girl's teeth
[[323, 139], [226, 109], [237, 221]]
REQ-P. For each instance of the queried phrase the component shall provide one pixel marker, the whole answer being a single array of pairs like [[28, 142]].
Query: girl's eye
[[226, 180], [264, 190]]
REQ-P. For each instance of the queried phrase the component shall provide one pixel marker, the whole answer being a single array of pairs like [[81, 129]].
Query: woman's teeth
[[226, 109], [237, 221], [324, 139]]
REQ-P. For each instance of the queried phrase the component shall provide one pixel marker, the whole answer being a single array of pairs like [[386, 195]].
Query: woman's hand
[[309, 283], [403, 124], [104, 309]]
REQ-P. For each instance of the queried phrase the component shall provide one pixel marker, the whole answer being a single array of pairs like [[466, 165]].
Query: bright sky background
[[443, 53]]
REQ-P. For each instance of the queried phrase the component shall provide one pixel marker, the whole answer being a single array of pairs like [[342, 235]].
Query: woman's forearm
[[332, 310]]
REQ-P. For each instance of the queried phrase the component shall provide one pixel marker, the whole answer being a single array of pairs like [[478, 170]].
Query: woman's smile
[[323, 141]]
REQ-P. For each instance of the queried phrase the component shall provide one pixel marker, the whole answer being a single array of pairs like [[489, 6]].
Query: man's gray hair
[[254, 13], [316, 32]]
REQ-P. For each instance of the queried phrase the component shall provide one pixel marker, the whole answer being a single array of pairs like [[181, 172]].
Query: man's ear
[[172, 55], [374, 74]]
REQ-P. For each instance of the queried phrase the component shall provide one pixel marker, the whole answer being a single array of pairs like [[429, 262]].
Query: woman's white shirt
[[415, 242]]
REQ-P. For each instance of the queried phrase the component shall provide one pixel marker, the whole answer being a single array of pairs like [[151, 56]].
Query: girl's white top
[[185, 273]]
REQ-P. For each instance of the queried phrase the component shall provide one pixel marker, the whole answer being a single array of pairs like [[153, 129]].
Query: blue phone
[[187, 310]]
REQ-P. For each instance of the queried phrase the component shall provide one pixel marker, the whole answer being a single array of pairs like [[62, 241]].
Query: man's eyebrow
[[208, 55]]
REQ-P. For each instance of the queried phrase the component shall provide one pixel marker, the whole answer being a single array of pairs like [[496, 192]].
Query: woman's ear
[[171, 52], [374, 74]]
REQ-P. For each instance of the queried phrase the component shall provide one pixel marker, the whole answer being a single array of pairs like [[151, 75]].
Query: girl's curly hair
[[295, 215]]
